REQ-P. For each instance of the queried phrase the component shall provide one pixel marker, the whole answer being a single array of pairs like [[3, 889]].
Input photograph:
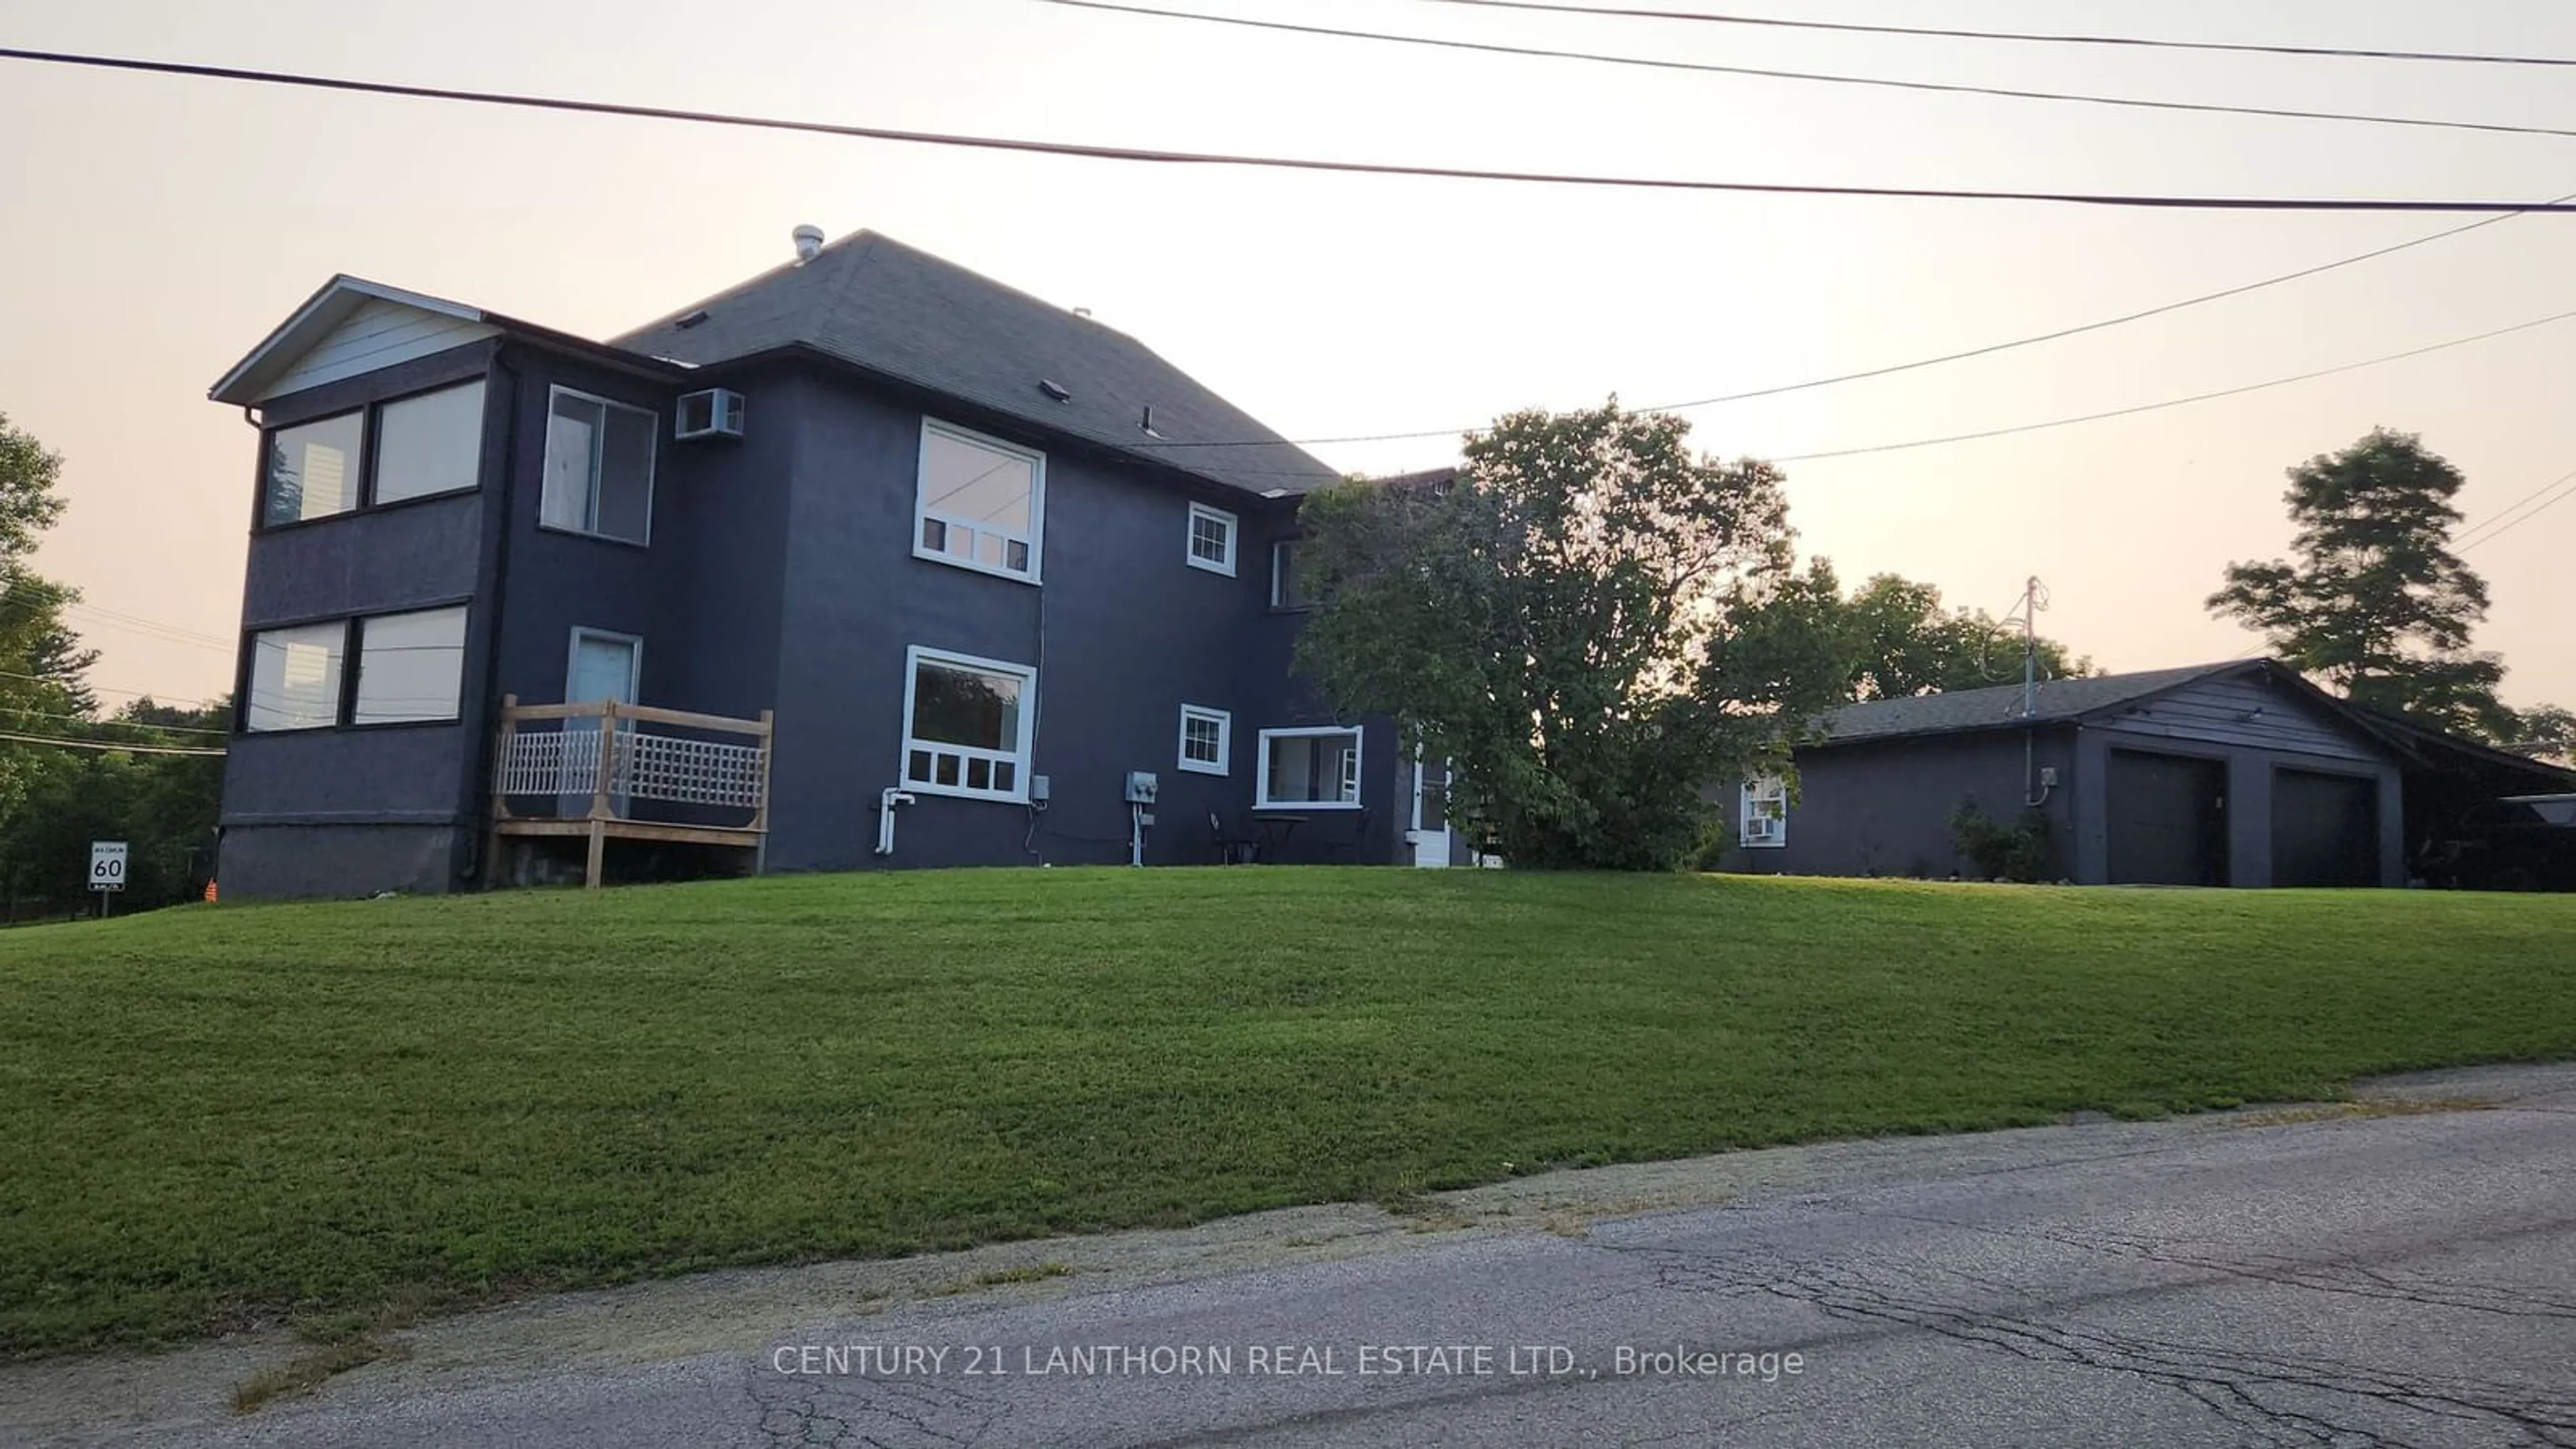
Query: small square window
[[1211, 541], [1206, 739]]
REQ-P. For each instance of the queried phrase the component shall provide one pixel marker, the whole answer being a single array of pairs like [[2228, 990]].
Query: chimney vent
[[809, 242]]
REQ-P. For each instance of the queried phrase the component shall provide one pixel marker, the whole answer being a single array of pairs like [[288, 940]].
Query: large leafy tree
[[2373, 600], [56, 798], [1586, 620], [1904, 642], [41, 660]]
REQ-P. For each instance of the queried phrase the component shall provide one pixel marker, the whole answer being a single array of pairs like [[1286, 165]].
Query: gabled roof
[[440, 323], [872, 302], [2059, 700]]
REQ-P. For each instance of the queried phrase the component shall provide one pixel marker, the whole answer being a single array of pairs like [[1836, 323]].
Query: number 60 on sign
[[107, 865]]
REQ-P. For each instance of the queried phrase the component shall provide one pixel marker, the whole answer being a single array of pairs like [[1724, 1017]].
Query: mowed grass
[[213, 1116]]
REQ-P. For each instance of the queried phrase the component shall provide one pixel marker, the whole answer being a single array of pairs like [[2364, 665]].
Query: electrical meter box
[[1140, 787]]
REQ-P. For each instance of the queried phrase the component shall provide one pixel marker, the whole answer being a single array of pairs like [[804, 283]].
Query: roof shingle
[[872, 301], [1977, 709]]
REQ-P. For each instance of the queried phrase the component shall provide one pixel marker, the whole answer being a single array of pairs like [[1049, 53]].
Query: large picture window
[[295, 677], [410, 666], [599, 467], [1309, 769], [389, 452], [981, 503], [966, 725]]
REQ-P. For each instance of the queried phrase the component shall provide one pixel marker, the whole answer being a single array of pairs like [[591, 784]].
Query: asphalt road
[[2397, 1277]]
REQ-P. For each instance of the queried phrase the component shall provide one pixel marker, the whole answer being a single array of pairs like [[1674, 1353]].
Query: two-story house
[[867, 561]]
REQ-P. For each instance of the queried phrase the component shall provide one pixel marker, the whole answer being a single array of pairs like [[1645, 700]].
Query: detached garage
[[2236, 774]]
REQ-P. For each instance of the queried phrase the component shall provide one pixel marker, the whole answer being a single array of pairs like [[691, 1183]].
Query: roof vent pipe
[[809, 242]]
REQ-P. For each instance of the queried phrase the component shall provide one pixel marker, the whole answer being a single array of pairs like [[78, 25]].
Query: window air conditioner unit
[[714, 412]]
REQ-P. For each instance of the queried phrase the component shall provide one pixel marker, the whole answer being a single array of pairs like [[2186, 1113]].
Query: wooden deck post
[[600, 809], [500, 802]]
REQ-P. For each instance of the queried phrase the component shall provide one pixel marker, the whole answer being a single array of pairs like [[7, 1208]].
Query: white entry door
[[1429, 830], [602, 666]]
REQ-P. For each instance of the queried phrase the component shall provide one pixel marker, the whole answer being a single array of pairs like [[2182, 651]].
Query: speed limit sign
[[107, 865]]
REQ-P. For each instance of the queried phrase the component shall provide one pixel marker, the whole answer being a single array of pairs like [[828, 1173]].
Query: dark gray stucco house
[[2237, 774], [867, 561]]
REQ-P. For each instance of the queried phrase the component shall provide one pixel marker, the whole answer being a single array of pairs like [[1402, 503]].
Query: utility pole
[[2034, 597]]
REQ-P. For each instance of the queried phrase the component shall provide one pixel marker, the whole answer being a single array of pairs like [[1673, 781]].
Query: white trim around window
[[944, 760], [1210, 542], [949, 529], [1763, 820], [1207, 740], [1309, 768]]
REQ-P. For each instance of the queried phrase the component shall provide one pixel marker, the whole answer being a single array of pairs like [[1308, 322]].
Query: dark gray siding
[[2250, 775], [288, 862], [350, 811], [2258, 727], [2249, 710], [1122, 632], [1883, 809]]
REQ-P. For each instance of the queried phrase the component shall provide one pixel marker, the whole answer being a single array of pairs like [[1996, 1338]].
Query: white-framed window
[[980, 503], [599, 467], [1211, 540], [295, 677], [1207, 739], [966, 725], [1287, 586], [411, 667], [1309, 769], [1764, 820]]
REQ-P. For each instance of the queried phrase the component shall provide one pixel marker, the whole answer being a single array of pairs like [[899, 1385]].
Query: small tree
[[2376, 603], [1567, 620]]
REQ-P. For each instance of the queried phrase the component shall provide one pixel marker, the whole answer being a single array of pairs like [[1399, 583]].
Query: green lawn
[[213, 1114]]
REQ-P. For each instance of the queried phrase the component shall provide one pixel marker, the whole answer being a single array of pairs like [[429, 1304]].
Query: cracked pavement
[[2403, 1273]]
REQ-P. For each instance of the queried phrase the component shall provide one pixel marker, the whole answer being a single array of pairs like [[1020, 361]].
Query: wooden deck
[[596, 763]]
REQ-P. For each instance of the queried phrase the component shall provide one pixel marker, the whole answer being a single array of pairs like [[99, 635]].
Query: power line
[[1818, 77], [91, 688], [2569, 492], [119, 724], [152, 629], [2139, 42], [1891, 369], [139, 621], [2179, 401], [119, 749], [1149, 156]]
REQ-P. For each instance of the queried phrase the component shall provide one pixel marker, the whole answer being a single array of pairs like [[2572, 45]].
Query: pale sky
[[152, 230]]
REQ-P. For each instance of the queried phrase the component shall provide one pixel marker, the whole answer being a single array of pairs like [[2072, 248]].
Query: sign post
[[106, 871]]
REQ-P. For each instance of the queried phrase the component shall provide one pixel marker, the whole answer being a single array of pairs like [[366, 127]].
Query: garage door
[[2167, 819], [2325, 829]]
